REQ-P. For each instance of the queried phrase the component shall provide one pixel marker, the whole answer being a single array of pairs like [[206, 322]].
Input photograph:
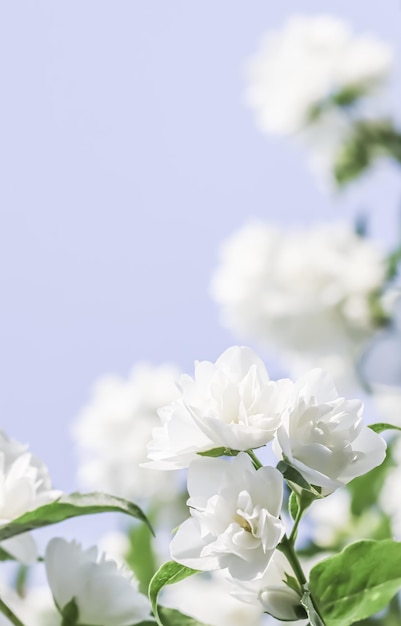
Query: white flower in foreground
[[271, 592], [311, 59], [322, 435], [209, 601], [103, 593], [114, 429], [234, 521], [24, 485], [305, 293], [231, 403]]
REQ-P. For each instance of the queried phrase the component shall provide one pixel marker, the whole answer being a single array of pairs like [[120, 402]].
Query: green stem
[[9, 614], [287, 547], [256, 463]]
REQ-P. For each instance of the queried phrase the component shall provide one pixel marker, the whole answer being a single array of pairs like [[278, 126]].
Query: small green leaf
[[381, 427], [168, 574], [291, 474], [291, 582], [68, 506], [70, 614], [293, 505], [216, 452], [140, 557], [358, 582]]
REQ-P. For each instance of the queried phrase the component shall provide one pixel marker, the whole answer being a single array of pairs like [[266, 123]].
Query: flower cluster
[[113, 430], [308, 61], [310, 294], [311, 78], [231, 407]]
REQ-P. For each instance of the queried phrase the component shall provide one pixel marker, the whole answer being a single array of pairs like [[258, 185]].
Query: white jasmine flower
[[114, 429], [305, 293], [270, 590], [311, 59], [234, 521], [231, 403], [24, 485], [208, 600], [103, 593], [323, 437]]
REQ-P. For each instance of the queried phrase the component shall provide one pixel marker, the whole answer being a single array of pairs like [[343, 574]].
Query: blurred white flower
[[305, 293], [330, 518], [101, 592], [113, 430], [271, 592], [311, 59], [35, 608], [115, 545], [231, 403], [208, 600], [322, 435], [234, 521], [388, 402], [24, 485]]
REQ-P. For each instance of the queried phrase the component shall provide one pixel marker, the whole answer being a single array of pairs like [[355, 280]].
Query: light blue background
[[127, 155]]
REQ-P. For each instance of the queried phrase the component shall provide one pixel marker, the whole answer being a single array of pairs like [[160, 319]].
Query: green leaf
[[291, 582], [381, 427], [358, 582], [168, 574], [216, 452], [365, 489], [70, 614], [293, 505], [293, 476], [172, 617], [140, 557], [68, 506]]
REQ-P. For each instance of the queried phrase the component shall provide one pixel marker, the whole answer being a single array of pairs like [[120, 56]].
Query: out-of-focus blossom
[[115, 545], [24, 485], [114, 429], [331, 519], [310, 60], [322, 435], [208, 600], [231, 403], [388, 401], [99, 591], [234, 521], [306, 293], [271, 592]]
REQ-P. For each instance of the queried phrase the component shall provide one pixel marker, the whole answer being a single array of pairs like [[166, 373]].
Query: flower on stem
[[231, 403], [271, 592], [323, 437], [94, 589], [234, 521]]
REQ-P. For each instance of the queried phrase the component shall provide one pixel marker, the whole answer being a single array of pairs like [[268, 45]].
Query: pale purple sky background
[[127, 155]]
